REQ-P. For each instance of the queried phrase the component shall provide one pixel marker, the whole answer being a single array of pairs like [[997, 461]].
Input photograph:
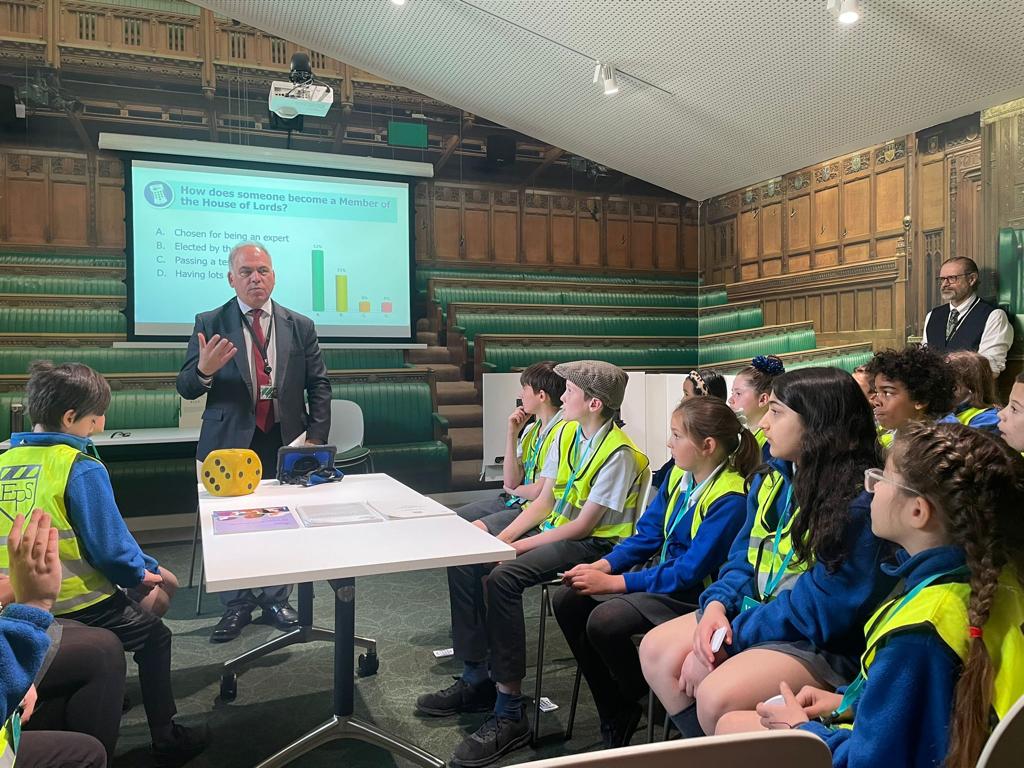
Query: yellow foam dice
[[232, 472]]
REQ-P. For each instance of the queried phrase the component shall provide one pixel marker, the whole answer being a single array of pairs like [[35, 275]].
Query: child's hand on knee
[[692, 674]]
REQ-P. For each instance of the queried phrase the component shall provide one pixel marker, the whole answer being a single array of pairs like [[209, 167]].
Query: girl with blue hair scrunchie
[[750, 390]]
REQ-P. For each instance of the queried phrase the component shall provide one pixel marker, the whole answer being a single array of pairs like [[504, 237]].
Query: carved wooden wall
[[468, 223], [839, 226], [57, 198]]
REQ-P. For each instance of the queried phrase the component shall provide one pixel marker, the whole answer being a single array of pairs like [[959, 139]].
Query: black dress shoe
[[230, 625], [281, 615]]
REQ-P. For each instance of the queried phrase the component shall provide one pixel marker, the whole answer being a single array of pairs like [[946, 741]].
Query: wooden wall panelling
[[642, 218], [535, 228], [505, 226], [476, 224], [668, 240], [447, 223], [617, 232], [588, 224], [563, 229]]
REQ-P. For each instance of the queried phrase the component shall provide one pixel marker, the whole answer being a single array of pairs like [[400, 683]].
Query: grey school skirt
[[830, 668]]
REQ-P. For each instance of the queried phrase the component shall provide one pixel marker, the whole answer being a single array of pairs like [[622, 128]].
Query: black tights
[[83, 689], [600, 634]]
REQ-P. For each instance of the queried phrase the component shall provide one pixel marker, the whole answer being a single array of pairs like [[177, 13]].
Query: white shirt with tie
[[995, 339]]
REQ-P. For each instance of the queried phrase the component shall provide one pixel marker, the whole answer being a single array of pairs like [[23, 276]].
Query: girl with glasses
[[944, 658], [802, 575]]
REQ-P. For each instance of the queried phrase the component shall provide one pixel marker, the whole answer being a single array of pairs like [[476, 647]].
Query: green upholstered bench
[[847, 357], [66, 320], [60, 286], [61, 260], [712, 298], [406, 436], [129, 409], [725, 318], [769, 340]]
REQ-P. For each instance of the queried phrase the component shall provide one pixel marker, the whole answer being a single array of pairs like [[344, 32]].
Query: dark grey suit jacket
[[229, 419]]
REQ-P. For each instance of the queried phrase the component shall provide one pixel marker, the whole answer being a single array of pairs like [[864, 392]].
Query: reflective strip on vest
[[613, 525], [762, 539], [545, 447], [36, 477], [760, 437], [943, 607]]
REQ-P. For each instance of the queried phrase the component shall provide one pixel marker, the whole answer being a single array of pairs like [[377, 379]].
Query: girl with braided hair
[[750, 391], [975, 392], [945, 657]]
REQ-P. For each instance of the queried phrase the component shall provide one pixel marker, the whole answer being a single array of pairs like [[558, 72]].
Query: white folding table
[[432, 538]]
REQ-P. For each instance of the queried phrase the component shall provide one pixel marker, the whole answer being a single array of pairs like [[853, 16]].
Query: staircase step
[[467, 443], [426, 337], [463, 415], [466, 476], [428, 355], [456, 393], [443, 372]]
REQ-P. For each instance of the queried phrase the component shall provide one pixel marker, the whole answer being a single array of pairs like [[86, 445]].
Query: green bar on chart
[[318, 280], [341, 293]]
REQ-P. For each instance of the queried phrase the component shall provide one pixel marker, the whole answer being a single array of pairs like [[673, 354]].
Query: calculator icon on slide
[[159, 194]]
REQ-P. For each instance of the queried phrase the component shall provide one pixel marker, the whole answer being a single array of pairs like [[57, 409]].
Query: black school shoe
[[496, 737], [458, 697], [617, 733], [184, 744]]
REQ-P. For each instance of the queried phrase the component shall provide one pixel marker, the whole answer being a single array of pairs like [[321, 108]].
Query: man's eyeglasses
[[952, 278], [872, 477]]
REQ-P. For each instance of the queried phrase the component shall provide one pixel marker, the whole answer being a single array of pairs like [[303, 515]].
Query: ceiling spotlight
[[398, 2], [611, 86], [846, 11]]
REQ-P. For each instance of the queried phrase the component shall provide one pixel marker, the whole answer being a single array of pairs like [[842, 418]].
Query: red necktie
[[264, 408]]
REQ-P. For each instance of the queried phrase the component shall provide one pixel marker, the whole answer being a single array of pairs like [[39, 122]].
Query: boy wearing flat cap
[[589, 502]]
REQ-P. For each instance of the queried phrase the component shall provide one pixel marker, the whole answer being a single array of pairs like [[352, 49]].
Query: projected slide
[[340, 246]]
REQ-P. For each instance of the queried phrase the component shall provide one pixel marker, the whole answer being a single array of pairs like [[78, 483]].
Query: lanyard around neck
[[961, 316], [601, 433], [542, 435], [854, 690], [775, 577], [682, 507], [265, 346]]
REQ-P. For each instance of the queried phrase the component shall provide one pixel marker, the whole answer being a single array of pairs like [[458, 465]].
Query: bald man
[[254, 360]]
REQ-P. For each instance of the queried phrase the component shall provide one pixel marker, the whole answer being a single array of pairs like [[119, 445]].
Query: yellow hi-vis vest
[[943, 609], [760, 548], [613, 525], [533, 456], [36, 476], [760, 437], [728, 481], [965, 416], [7, 744]]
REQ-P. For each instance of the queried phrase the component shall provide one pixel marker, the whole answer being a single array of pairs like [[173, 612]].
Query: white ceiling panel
[[724, 93]]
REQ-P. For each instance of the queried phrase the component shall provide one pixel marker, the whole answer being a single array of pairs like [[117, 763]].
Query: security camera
[[301, 71]]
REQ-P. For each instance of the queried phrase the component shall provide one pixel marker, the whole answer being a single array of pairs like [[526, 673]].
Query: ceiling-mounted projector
[[289, 100], [301, 94]]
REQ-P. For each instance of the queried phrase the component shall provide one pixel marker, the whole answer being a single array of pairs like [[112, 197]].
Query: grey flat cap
[[598, 379]]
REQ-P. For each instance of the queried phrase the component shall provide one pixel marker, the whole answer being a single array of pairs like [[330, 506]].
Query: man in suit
[[254, 360], [967, 321]]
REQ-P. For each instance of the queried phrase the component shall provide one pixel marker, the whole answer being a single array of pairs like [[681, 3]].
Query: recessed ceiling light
[[846, 11], [398, 2]]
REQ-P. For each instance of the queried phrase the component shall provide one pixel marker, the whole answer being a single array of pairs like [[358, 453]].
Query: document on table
[[345, 513], [405, 511]]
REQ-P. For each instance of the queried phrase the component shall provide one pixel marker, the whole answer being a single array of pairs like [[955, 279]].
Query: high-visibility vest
[[761, 547], [529, 443], [967, 415], [7, 744], [613, 525], [760, 437], [943, 609], [33, 477], [728, 481]]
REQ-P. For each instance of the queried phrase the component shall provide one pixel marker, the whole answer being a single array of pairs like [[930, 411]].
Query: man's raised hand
[[214, 354]]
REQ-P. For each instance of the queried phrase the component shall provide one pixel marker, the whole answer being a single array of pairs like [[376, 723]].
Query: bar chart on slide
[[321, 297]]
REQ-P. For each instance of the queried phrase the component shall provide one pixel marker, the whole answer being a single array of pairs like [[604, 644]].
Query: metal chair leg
[[650, 716], [199, 592], [572, 704], [544, 605], [195, 545]]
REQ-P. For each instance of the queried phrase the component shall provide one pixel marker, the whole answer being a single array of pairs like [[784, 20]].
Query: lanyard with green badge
[[855, 689], [682, 507], [560, 505], [534, 454]]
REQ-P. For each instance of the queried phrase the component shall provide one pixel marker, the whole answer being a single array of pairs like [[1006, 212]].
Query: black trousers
[[149, 639], [487, 603], [600, 633], [57, 749], [266, 445], [83, 688]]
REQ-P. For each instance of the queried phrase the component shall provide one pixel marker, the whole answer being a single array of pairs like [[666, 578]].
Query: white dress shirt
[[995, 339]]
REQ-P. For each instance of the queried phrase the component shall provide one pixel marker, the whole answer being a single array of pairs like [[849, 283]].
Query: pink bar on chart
[[386, 307]]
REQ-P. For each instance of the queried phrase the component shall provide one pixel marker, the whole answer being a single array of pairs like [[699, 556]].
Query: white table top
[[249, 560], [152, 436]]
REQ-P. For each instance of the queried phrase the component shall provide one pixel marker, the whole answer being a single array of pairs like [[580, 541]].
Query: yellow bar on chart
[[341, 293], [364, 306]]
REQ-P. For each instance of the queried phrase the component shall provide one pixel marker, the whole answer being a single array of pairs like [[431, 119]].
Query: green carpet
[[289, 693]]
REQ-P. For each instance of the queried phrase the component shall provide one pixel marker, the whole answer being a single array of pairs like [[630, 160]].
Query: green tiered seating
[[770, 341], [63, 286], [71, 321], [61, 260], [129, 409], [846, 357], [423, 274], [713, 298], [724, 319], [847, 362], [402, 430], [504, 359], [574, 325]]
